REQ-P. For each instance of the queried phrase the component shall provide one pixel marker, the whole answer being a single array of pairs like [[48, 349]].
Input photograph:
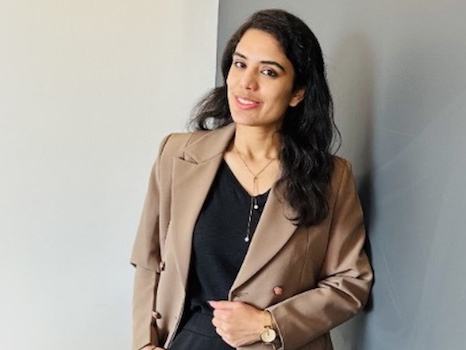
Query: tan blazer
[[323, 272]]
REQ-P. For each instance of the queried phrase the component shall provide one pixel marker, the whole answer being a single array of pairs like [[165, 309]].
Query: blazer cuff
[[277, 344], [144, 330]]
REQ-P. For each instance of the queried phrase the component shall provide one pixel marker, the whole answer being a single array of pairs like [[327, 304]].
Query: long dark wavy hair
[[308, 130]]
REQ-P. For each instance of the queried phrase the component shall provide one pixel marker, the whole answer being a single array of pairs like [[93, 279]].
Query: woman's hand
[[237, 323]]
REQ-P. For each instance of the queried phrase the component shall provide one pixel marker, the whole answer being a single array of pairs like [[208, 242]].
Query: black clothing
[[198, 333], [218, 250]]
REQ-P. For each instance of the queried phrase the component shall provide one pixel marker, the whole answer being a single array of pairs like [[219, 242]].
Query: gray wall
[[397, 70]]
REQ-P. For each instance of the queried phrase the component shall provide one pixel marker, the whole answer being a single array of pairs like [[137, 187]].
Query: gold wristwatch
[[268, 334]]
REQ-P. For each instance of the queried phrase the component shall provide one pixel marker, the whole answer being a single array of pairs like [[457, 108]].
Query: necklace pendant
[[256, 206], [246, 239]]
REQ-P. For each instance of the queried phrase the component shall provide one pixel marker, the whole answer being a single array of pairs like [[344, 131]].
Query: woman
[[252, 233]]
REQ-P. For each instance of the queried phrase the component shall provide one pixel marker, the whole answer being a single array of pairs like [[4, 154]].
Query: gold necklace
[[255, 186]]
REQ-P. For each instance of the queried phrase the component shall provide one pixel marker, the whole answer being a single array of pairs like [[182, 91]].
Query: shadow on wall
[[351, 77]]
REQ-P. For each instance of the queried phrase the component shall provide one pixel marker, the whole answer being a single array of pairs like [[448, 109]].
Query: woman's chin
[[248, 120], [245, 120]]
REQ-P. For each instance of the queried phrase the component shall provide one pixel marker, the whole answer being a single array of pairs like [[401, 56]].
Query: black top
[[219, 245]]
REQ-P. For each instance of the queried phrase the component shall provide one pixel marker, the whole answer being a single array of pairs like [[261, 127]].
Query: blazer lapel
[[193, 174], [272, 232]]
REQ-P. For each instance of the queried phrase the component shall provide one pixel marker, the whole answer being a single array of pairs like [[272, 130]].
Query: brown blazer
[[323, 272]]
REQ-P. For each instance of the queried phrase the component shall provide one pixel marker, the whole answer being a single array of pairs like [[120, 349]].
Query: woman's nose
[[249, 81]]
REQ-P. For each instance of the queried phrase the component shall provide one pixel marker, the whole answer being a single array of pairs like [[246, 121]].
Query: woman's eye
[[269, 72], [239, 64]]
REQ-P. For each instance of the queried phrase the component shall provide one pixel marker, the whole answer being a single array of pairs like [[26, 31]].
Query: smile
[[245, 103]]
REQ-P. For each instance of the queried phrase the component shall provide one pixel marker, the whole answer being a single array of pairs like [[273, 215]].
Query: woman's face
[[260, 81]]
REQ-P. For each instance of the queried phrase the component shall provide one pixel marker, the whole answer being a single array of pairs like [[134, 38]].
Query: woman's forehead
[[259, 45]]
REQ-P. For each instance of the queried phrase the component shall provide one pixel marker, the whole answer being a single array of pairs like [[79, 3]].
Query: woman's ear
[[297, 97]]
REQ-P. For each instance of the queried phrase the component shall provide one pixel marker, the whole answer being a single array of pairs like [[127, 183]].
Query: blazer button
[[156, 315], [162, 265], [278, 290]]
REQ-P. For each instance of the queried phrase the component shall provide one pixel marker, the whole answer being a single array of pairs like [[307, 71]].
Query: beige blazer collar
[[193, 175]]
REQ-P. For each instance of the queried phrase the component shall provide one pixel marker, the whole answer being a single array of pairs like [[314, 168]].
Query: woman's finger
[[216, 322]]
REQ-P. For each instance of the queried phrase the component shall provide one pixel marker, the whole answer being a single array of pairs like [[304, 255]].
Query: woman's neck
[[257, 143]]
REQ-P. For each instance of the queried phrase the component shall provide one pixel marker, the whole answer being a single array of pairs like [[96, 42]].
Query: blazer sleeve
[[345, 278], [146, 258]]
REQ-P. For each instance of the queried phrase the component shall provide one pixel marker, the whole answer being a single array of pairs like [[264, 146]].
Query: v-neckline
[[235, 179]]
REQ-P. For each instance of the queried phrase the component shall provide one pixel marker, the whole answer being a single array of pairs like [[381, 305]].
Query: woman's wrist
[[269, 334], [268, 319]]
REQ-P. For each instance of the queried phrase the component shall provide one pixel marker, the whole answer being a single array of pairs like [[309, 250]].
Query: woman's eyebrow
[[273, 63]]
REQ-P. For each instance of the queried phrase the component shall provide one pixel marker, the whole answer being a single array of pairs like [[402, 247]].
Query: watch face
[[268, 335]]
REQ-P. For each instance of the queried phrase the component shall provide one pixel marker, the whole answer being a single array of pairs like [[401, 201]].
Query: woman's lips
[[245, 103]]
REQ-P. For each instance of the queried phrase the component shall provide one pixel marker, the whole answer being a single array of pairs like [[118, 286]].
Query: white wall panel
[[87, 90]]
